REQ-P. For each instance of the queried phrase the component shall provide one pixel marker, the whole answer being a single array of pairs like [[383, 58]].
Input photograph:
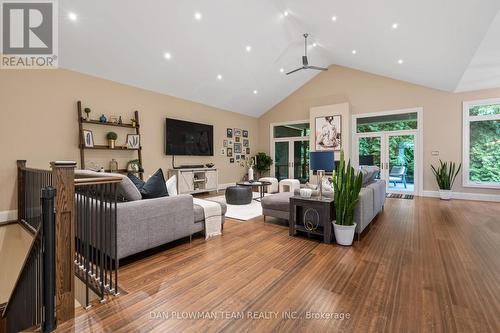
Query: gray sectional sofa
[[371, 202], [143, 224]]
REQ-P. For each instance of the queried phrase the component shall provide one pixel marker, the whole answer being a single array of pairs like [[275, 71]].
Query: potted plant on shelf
[[111, 136], [347, 185], [445, 175], [87, 113], [263, 163]]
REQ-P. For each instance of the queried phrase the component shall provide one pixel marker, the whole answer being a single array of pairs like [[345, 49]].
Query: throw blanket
[[213, 217]]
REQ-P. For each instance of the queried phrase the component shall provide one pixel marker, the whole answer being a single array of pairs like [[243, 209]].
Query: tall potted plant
[[263, 163], [445, 175], [347, 185]]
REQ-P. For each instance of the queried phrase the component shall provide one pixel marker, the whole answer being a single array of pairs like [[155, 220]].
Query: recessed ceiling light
[[395, 25], [197, 16], [400, 61], [72, 16], [248, 48], [219, 77], [314, 44], [354, 51], [255, 92], [285, 13], [167, 55], [334, 18], [282, 70]]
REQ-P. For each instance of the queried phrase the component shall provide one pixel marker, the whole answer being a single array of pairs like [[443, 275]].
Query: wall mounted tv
[[185, 138]]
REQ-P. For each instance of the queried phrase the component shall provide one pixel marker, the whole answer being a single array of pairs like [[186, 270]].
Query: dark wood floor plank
[[424, 265]]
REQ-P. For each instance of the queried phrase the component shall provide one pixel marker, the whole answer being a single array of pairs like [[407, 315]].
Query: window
[[393, 122], [291, 130], [481, 150]]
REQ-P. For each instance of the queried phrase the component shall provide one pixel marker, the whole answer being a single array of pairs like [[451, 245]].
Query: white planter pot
[[250, 173], [344, 234], [445, 194]]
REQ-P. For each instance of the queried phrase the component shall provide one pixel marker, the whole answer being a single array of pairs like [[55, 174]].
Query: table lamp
[[321, 162]]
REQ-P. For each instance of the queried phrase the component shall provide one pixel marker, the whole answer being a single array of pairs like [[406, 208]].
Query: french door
[[395, 154], [291, 159]]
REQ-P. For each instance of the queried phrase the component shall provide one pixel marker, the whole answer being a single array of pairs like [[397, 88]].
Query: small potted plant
[[111, 136], [347, 185], [445, 175], [87, 113]]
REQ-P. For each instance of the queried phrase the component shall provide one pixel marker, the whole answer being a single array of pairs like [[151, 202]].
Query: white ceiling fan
[[305, 62]]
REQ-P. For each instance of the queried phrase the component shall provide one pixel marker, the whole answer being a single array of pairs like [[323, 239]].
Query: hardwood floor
[[424, 266]]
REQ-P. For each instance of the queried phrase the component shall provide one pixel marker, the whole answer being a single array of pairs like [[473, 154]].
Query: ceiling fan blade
[[295, 70], [318, 68]]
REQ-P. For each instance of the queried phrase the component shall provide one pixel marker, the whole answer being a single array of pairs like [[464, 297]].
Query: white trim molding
[[466, 196], [8, 215]]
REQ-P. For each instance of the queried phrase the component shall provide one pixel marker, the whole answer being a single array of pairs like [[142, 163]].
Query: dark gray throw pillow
[[139, 183], [155, 186]]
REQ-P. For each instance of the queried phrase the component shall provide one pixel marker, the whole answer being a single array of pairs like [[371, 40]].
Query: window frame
[[467, 118]]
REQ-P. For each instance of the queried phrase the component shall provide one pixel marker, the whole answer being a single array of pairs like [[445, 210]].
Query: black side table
[[312, 215]]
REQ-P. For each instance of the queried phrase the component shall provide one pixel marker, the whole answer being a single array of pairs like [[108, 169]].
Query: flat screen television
[[184, 138]]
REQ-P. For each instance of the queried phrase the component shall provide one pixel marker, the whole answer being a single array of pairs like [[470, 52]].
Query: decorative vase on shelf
[[111, 144], [113, 166], [102, 118], [250, 174]]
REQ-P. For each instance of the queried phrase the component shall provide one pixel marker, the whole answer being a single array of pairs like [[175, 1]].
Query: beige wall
[[39, 123], [372, 93]]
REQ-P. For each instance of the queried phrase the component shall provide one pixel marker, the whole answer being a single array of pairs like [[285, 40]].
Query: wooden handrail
[[97, 180]]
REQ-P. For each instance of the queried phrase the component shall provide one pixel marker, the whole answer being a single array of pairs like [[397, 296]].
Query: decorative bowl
[[305, 192], [209, 165]]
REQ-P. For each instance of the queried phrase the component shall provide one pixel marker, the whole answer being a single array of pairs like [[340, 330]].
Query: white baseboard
[[466, 196], [8, 215]]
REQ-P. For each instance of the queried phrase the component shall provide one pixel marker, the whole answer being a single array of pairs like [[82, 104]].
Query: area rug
[[241, 212], [399, 196]]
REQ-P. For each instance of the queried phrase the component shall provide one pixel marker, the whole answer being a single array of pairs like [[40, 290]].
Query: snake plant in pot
[[347, 185], [445, 177]]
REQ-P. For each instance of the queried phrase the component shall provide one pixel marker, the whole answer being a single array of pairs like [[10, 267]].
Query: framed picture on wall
[[245, 134], [237, 157], [245, 143], [237, 132], [229, 152], [248, 151], [229, 132], [223, 151], [237, 139], [88, 139], [133, 141], [231, 160], [328, 133], [224, 143], [237, 148]]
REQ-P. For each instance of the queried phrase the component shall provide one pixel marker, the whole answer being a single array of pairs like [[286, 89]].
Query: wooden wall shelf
[[82, 121], [97, 122]]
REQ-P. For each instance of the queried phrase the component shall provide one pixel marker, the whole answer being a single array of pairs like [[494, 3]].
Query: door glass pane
[[395, 122], [369, 151], [281, 159], [301, 161], [484, 151], [401, 162], [291, 131]]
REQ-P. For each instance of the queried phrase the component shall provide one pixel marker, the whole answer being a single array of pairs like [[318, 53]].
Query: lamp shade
[[322, 160]]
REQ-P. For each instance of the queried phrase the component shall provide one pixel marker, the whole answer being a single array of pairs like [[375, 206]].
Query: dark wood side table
[[312, 216]]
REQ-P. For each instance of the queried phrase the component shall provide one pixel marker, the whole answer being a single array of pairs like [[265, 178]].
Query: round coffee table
[[260, 184]]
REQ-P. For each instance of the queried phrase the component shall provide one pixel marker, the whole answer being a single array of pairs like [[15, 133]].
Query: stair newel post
[[63, 179]]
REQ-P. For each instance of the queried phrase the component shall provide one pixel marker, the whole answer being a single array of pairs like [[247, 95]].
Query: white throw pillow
[[172, 186]]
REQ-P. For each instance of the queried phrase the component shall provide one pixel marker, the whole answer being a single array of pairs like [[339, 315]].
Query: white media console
[[200, 180]]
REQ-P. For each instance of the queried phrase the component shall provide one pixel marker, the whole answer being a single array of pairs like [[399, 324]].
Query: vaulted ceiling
[[230, 54]]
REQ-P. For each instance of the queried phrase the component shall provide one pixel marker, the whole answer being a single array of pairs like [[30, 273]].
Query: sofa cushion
[[369, 174], [139, 183], [155, 186], [172, 186], [280, 201], [126, 190]]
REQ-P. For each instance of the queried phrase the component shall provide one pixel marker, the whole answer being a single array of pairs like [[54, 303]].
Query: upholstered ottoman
[[274, 187], [239, 195], [289, 185]]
